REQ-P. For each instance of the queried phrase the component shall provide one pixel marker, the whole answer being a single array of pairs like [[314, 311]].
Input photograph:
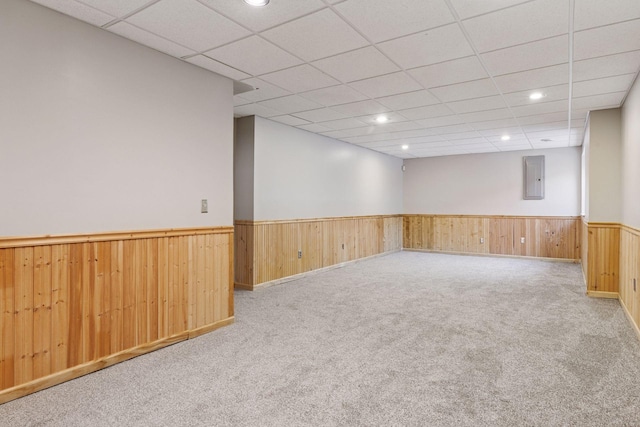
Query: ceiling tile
[[552, 93], [440, 121], [238, 100], [300, 79], [544, 118], [477, 104], [598, 102], [468, 90], [590, 13], [607, 40], [392, 118], [466, 137], [425, 48], [516, 147], [401, 17], [321, 115], [148, 39], [450, 72], [605, 85], [426, 112], [289, 120], [290, 104], [349, 133], [389, 84], [605, 66], [482, 116], [370, 63], [447, 130], [117, 8], [494, 124], [404, 101], [254, 55], [540, 108], [188, 23], [343, 124], [263, 90], [259, 19], [217, 67], [316, 36], [334, 95], [533, 79], [468, 8], [314, 127], [528, 56], [255, 110], [78, 11], [361, 108], [516, 137], [519, 24]]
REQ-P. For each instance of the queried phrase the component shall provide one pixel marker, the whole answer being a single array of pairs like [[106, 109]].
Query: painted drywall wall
[[243, 164], [604, 178], [299, 174], [491, 184], [99, 133], [630, 157]]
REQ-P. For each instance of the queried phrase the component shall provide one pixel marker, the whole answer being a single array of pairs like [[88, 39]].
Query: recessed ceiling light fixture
[[405, 147], [505, 137], [546, 140], [536, 95], [382, 119], [257, 3]]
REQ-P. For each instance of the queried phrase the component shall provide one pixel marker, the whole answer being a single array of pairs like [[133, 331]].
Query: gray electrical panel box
[[533, 177]]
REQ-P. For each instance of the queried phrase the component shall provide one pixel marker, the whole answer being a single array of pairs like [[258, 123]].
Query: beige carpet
[[406, 339]]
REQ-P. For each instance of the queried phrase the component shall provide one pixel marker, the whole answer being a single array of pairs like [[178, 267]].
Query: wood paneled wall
[[602, 257], [71, 305], [269, 250], [548, 237], [629, 286]]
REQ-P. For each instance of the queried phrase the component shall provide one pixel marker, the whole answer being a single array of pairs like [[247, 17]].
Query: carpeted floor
[[406, 339]]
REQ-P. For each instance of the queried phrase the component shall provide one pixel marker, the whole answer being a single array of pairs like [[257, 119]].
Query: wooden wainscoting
[[547, 237], [630, 274], [71, 305], [602, 259], [272, 250]]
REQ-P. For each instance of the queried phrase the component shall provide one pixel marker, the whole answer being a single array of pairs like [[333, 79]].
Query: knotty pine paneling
[[85, 304], [268, 250], [584, 247], [603, 257], [548, 237], [630, 271]]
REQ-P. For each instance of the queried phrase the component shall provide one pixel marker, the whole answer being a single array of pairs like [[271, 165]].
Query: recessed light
[[536, 95], [546, 140], [382, 119], [405, 147], [505, 137], [257, 3]]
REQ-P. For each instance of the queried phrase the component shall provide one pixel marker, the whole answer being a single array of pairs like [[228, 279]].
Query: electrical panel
[[533, 177]]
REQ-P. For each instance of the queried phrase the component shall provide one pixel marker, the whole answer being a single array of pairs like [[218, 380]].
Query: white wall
[[98, 133], [299, 174], [631, 158], [491, 184], [243, 163]]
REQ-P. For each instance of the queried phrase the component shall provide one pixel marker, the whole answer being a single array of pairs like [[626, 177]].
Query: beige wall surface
[[243, 163], [98, 133], [491, 184], [299, 175], [631, 158]]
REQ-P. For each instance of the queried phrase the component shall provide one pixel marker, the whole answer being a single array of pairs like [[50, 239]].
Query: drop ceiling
[[452, 76]]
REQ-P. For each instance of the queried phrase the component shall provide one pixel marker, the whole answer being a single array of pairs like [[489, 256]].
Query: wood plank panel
[[630, 273], [604, 261], [23, 303], [42, 311], [7, 310], [60, 290]]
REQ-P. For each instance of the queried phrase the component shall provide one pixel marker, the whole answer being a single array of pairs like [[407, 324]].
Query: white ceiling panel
[[334, 95], [516, 147], [540, 108], [255, 110], [447, 130], [533, 79], [392, 117], [590, 13], [440, 121], [425, 48], [401, 17], [598, 102], [408, 100], [188, 23], [605, 85], [544, 118], [217, 67], [316, 36], [483, 116], [289, 120], [263, 90], [616, 38], [605, 66], [539, 54], [468, 8], [370, 63], [265, 57], [498, 132], [468, 90], [426, 112], [290, 104], [519, 24], [552, 93], [259, 19], [78, 10], [302, 78], [314, 127], [361, 108], [347, 133], [495, 124], [117, 8], [514, 138], [450, 72], [477, 104], [321, 115], [148, 39], [389, 84], [344, 124]]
